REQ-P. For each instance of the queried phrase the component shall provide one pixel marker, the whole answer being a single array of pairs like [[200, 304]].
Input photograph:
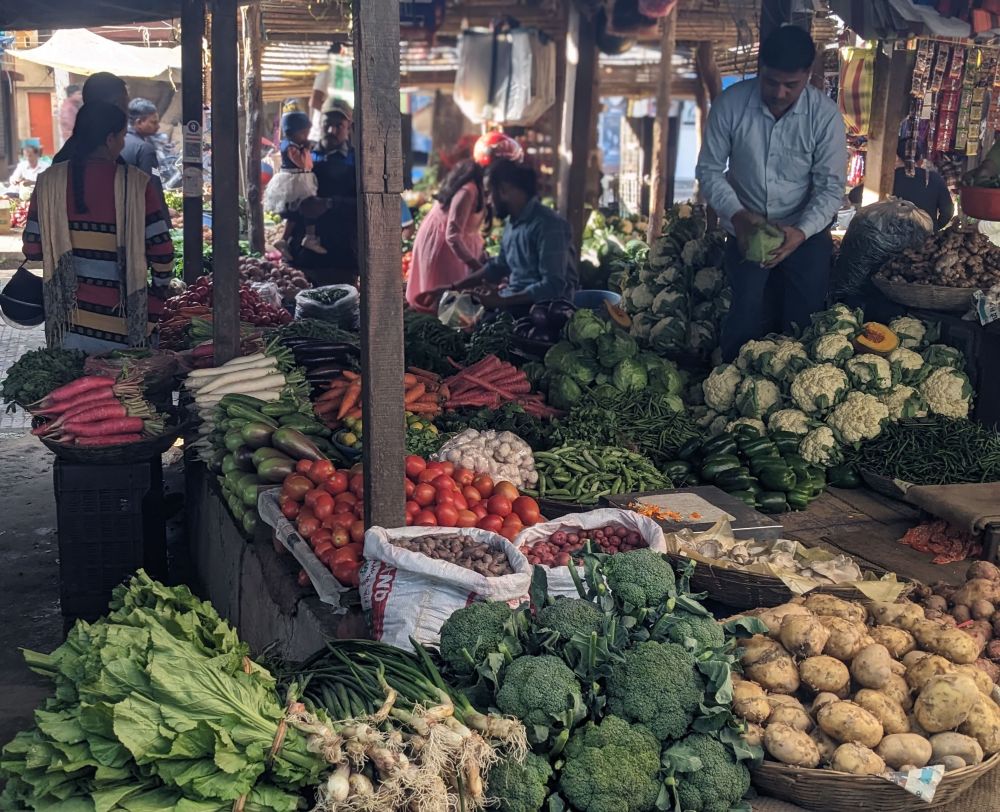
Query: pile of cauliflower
[[503, 455], [822, 389]]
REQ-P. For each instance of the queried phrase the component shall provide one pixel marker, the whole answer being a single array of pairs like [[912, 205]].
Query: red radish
[[76, 412], [103, 411], [203, 350], [109, 439], [122, 425], [78, 387], [67, 405]]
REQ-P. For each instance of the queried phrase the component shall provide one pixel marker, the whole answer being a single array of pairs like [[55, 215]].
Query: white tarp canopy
[[80, 51]]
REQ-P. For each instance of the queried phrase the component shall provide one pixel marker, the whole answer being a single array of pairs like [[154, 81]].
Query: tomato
[[463, 477], [347, 571], [359, 510], [509, 532], [303, 466], [283, 498], [424, 494], [321, 536], [460, 501], [414, 465], [290, 509], [480, 510], [505, 488], [409, 488], [412, 508], [321, 470], [425, 518], [466, 518], [357, 531], [348, 499], [444, 481], [296, 486], [357, 549], [484, 484], [447, 467], [307, 526], [358, 485], [498, 505], [471, 495], [527, 509], [340, 537], [322, 550], [447, 515], [427, 475], [323, 505], [336, 483], [443, 496], [491, 523], [341, 518]]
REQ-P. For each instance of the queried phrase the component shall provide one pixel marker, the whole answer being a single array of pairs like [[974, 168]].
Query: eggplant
[[560, 312], [326, 348], [256, 435], [539, 314], [540, 334], [295, 444]]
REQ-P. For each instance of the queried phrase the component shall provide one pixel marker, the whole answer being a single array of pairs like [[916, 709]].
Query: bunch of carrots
[[490, 383], [96, 410], [423, 394]]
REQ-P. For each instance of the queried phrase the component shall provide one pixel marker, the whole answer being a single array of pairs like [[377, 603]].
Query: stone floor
[[13, 344]]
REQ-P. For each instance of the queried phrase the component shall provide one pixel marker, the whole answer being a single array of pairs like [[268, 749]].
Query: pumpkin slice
[[618, 315], [875, 338]]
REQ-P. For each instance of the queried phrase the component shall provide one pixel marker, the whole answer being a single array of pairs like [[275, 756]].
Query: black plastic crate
[[110, 523]]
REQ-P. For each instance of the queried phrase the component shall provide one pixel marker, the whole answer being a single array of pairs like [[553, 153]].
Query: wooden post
[[380, 183], [192, 33], [708, 70], [225, 182], [579, 121], [661, 129], [890, 96], [253, 103]]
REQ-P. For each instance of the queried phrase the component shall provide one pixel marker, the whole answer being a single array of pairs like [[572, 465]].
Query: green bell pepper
[[748, 498], [678, 469], [724, 443], [799, 498], [776, 477], [843, 476], [733, 479], [690, 449], [713, 466], [771, 502], [787, 442], [758, 447]]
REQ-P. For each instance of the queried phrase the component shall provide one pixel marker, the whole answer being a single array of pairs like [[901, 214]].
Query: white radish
[[245, 360], [241, 374]]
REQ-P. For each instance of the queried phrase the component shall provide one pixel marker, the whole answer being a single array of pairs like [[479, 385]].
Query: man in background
[[320, 95], [101, 87], [140, 150], [67, 111]]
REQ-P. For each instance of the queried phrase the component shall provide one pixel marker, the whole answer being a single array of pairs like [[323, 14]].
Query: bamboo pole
[[253, 103]]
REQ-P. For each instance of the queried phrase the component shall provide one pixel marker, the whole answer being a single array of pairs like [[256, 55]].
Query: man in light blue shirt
[[775, 151]]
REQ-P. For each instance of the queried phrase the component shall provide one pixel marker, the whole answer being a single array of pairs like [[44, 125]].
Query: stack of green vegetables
[[157, 706], [596, 353], [625, 692], [823, 389], [38, 372], [679, 295]]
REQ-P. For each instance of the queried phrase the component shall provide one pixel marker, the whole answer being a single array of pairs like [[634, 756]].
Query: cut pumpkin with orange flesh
[[876, 338], [618, 315]]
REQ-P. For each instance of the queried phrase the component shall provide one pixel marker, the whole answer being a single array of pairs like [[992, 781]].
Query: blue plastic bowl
[[595, 299], [206, 219]]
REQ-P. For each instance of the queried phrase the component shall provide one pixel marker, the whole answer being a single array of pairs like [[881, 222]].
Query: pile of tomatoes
[[327, 506], [440, 495]]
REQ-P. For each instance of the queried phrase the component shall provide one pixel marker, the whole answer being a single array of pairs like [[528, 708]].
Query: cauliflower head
[[943, 355], [908, 365], [909, 330], [611, 767], [748, 421], [708, 281], [720, 387], [791, 420], [658, 685], [541, 691], [721, 781], [820, 447], [903, 401], [819, 388], [859, 417], [751, 352], [947, 392], [786, 361], [869, 372], [832, 348], [838, 319], [519, 786], [757, 396]]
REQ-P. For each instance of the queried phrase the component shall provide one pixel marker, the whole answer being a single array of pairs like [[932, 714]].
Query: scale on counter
[[700, 508]]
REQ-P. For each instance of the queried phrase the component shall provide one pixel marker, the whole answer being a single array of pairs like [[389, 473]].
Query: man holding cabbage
[[773, 166]]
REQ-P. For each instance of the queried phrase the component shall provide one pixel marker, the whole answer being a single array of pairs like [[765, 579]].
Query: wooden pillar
[[225, 182], [380, 183], [579, 120], [890, 96], [253, 104], [708, 70], [556, 115], [661, 129], [192, 100]]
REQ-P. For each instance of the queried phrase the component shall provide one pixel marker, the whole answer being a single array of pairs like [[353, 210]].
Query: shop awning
[[80, 51], [21, 16]]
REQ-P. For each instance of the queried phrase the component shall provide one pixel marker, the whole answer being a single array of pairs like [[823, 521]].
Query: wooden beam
[[890, 96], [380, 183], [225, 182], [192, 33], [579, 120], [658, 202], [253, 104]]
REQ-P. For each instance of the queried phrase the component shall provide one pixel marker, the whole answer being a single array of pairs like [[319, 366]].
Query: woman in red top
[[449, 243], [98, 229]]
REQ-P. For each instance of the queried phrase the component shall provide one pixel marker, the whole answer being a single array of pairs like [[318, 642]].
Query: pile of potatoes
[[865, 690], [974, 606]]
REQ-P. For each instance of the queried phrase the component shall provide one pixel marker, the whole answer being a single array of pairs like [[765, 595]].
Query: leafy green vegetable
[[763, 241], [38, 372], [629, 375], [564, 392], [584, 328], [615, 346]]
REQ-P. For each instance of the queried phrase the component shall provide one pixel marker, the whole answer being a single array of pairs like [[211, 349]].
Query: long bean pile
[[583, 473], [429, 344], [934, 451]]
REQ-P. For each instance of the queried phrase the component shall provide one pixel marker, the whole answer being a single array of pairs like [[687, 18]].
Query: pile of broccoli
[[610, 687]]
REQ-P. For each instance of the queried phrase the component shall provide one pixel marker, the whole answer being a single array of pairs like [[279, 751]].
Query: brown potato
[[982, 610], [954, 644], [821, 699], [977, 589], [825, 674], [857, 759], [911, 658], [955, 744], [897, 641], [803, 635], [774, 617], [784, 701], [925, 669], [750, 701], [901, 615], [983, 724], [826, 746], [773, 669], [983, 569], [754, 735], [872, 666], [832, 606], [793, 717], [849, 722], [945, 701], [897, 690], [898, 749], [884, 708], [846, 638], [978, 676], [790, 746]]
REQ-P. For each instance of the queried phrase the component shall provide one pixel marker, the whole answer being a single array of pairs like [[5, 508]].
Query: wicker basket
[[750, 590], [926, 297], [115, 454], [830, 791]]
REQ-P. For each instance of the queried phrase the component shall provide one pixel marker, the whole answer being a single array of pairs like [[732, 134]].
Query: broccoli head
[[519, 786], [657, 685], [720, 782], [702, 628], [642, 578], [541, 691], [611, 767], [567, 616], [473, 632]]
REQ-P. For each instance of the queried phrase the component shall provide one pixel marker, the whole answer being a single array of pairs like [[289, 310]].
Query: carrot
[[77, 387], [121, 425], [331, 395], [409, 380], [415, 393], [350, 399], [108, 439], [64, 406], [423, 408], [354, 414], [351, 376], [91, 412]]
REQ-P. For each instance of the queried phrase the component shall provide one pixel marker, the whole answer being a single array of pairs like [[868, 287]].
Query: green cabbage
[[615, 346], [564, 392], [763, 241], [580, 366], [556, 353], [585, 326], [629, 374]]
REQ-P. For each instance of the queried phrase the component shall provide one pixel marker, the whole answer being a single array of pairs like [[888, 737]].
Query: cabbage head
[[564, 392], [641, 297], [580, 366], [556, 353], [584, 326], [614, 347], [763, 241], [629, 375]]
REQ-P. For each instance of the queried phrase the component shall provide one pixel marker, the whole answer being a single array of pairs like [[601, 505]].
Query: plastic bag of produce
[[459, 310], [268, 291], [408, 594], [560, 580], [878, 233], [338, 304]]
